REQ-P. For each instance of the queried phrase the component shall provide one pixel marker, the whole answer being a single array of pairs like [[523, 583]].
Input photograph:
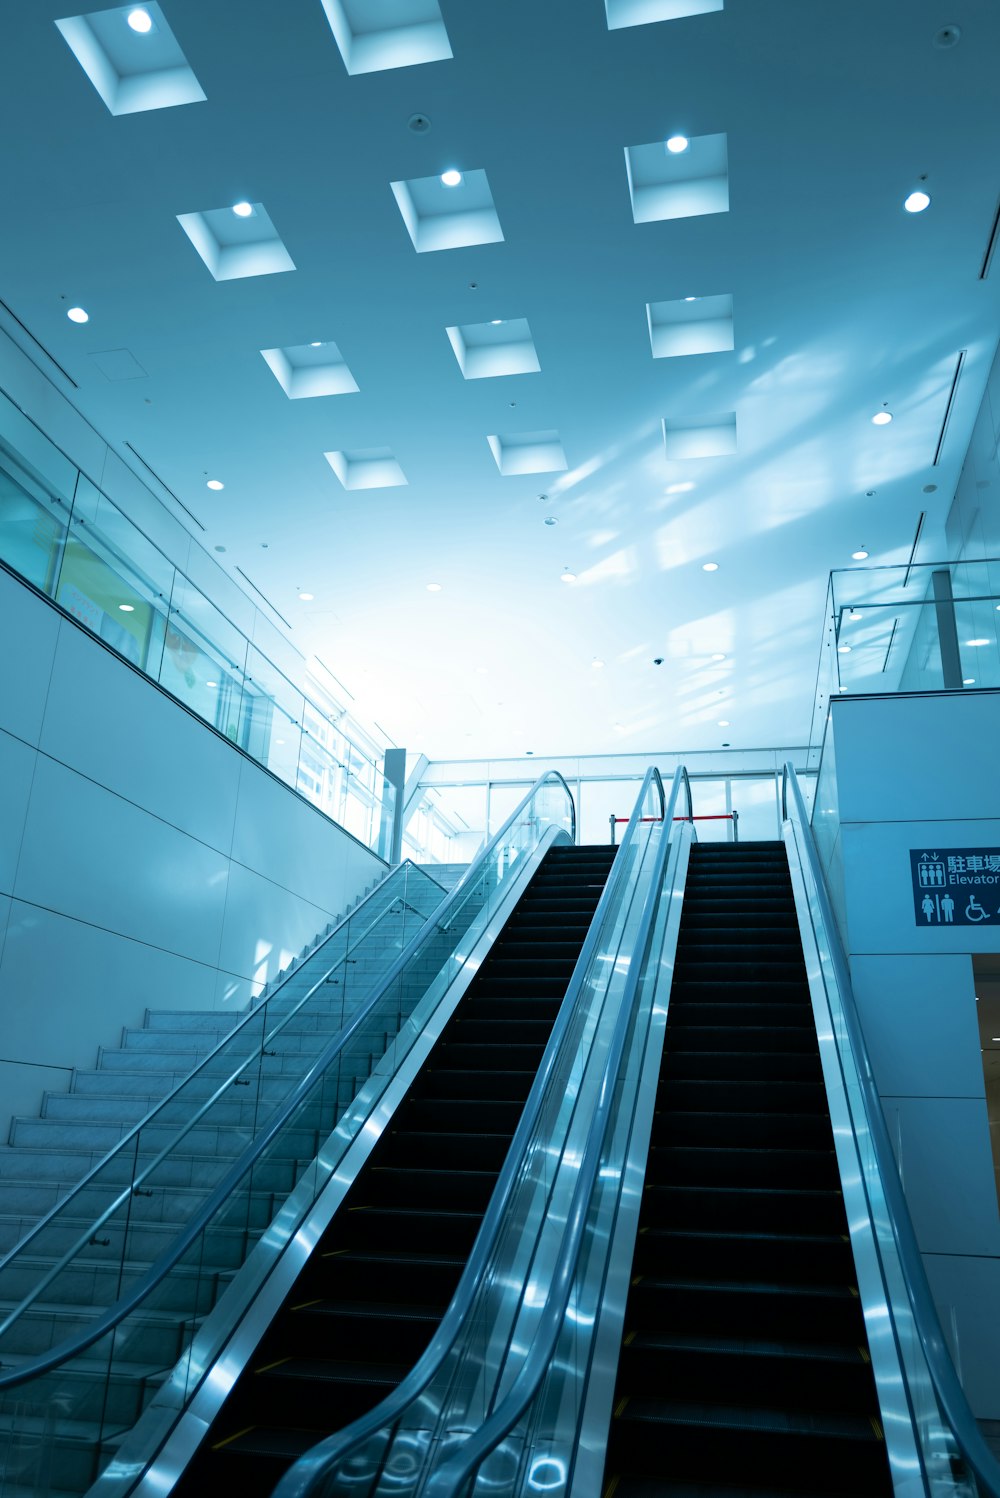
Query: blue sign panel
[[956, 886]]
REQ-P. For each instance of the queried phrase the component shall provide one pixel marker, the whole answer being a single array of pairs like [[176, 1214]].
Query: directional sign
[[956, 886]]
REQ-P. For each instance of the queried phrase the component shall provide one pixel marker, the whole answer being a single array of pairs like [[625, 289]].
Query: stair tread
[[828, 1424]]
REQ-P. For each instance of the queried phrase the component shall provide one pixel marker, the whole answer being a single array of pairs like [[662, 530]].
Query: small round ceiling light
[[843, 649], [709, 566], [496, 322], [677, 143], [451, 178], [127, 608], [211, 683], [881, 418], [315, 345], [968, 681], [917, 201], [140, 20], [723, 722], [977, 643], [860, 555], [854, 614], [243, 209], [566, 576], [718, 656], [551, 520], [307, 597], [597, 664], [433, 587], [77, 314], [215, 484]]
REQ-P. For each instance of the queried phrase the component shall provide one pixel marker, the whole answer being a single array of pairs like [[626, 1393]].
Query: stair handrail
[[950, 1394], [253, 1012], [117, 1312], [301, 1480]]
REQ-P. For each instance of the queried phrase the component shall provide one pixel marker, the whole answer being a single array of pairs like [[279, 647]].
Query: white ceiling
[[842, 302]]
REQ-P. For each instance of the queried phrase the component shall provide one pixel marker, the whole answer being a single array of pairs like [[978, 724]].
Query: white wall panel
[[920, 758], [17, 764], [28, 627], [919, 1019], [282, 836], [943, 1147], [90, 854], [265, 925], [967, 1295], [105, 721]]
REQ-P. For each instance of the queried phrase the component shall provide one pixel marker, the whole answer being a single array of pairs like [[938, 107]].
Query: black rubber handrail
[[191, 1121], [951, 1395], [303, 1479], [123, 1307]]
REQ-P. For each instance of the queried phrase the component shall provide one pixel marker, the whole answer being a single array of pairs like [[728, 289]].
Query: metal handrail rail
[[299, 1480], [126, 1304], [450, 1477], [189, 1123], [950, 1393]]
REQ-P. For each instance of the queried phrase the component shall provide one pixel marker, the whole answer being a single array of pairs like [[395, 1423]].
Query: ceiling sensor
[[419, 124], [948, 36], [930, 489]]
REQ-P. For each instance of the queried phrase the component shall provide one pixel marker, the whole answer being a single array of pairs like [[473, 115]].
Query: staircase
[[382, 1275], [744, 1367], [49, 1155]]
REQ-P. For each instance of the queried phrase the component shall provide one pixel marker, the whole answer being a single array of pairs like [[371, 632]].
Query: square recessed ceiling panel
[[233, 247], [643, 12], [528, 452], [438, 217], [487, 349], [377, 34], [308, 369], [367, 468], [694, 325], [700, 436], [665, 185], [131, 70]]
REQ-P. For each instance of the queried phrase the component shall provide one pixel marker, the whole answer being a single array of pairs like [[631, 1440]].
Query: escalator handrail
[[254, 1012], [951, 1395], [450, 1478], [300, 1480], [157, 1272]]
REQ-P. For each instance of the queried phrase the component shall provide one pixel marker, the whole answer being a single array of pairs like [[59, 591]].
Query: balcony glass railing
[[926, 628], [182, 621]]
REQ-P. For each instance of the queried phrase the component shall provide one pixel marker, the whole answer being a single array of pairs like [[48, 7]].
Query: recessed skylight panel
[[234, 245], [528, 452], [305, 370], [667, 184], [645, 12], [367, 468], [443, 216], [700, 436], [374, 35], [133, 69], [693, 325], [499, 347]]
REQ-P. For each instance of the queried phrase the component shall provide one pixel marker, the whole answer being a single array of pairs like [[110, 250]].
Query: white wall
[[144, 862], [920, 772]]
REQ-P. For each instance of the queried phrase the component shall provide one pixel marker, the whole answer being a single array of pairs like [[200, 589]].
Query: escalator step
[[741, 1066], [802, 1258], [748, 1037], [810, 1130], [738, 1209], [708, 1165]]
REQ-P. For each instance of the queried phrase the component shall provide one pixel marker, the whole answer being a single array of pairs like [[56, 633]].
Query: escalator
[[381, 1277], [744, 1366]]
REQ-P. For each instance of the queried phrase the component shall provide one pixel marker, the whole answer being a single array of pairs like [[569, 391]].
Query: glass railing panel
[[163, 614], [248, 1132]]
